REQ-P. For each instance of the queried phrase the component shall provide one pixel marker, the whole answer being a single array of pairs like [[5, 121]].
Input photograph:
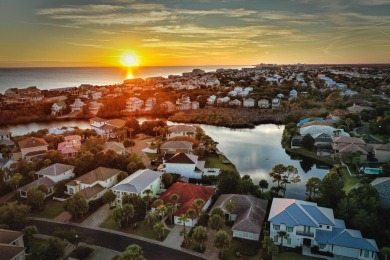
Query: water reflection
[[256, 151]]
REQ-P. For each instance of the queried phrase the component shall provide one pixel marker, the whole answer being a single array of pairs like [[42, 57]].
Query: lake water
[[252, 151]]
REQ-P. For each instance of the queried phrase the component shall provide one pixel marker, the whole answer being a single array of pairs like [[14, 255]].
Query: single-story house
[[248, 215], [119, 148], [181, 130], [22, 191]]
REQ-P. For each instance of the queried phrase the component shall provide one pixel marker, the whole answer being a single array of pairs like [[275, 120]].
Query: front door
[[307, 242]]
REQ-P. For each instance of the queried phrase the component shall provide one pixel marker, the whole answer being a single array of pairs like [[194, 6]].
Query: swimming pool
[[367, 170]]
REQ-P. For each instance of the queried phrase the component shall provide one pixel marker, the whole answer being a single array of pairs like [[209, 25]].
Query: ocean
[[51, 78]]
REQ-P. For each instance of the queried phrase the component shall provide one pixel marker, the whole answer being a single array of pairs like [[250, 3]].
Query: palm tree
[[199, 203], [191, 213], [170, 211], [158, 202], [222, 240], [183, 219], [131, 130], [174, 198], [150, 217], [132, 252], [283, 235], [128, 211], [159, 227], [230, 207], [385, 251], [147, 198], [200, 235], [263, 184]]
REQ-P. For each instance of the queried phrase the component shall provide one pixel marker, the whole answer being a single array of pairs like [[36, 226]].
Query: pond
[[256, 151], [252, 151]]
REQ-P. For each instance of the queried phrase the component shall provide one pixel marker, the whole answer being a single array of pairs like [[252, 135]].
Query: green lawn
[[215, 161], [349, 181], [51, 210], [235, 246], [143, 229], [292, 256]]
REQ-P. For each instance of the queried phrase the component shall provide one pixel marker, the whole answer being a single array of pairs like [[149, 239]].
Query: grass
[[143, 229], [235, 246], [215, 161], [292, 256], [349, 181], [51, 210]]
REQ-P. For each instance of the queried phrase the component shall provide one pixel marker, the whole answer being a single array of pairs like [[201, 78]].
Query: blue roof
[[284, 218], [305, 120], [300, 216], [341, 237], [317, 215]]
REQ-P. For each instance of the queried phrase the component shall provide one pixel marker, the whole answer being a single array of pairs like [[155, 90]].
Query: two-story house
[[187, 165], [5, 138], [94, 183], [58, 107], [71, 146], [150, 103], [309, 225], [33, 147], [134, 104], [77, 105], [137, 183]]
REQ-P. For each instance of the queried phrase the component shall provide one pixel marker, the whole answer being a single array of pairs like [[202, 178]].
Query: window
[[276, 239], [290, 229], [327, 227], [321, 246], [320, 226], [366, 253], [276, 227], [288, 241]]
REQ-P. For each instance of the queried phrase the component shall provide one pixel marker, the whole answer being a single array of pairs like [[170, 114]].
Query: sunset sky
[[193, 32]]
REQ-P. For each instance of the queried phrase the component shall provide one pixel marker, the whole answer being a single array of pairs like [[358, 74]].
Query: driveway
[[97, 217], [174, 240], [116, 241]]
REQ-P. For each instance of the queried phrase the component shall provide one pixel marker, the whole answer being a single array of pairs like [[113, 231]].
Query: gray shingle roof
[[138, 181], [382, 185], [46, 181], [55, 169]]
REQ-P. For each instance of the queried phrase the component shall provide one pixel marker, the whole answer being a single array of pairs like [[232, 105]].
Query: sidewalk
[[174, 239]]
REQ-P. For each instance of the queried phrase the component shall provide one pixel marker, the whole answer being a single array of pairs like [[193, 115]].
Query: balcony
[[305, 234]]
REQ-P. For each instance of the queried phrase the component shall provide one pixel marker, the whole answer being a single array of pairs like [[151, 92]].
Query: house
[[293, 94], [106, 128], [12, 245], [6, 165], [184, 103], [263, 103], [223, 100], [357, 109], [309, 225], [211, 100], [342, 145], [381, 152], [71, 146], [169, 106], [322, 129], [96, 95], [134, 104], [382, 185], [94, 107], [296, 141], [188, 193], [77, 105], [58, 107], [93, 184], [22, 191], [187, 165], [235, 102], [150, 103], [119, 148], [5, 138], [249, 102], [181, 130], [176, 147], [137, 183], [33, 147], [276, 102], [248, 215]]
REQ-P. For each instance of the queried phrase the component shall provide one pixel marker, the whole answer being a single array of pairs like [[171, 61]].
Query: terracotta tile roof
[[32, 142], [9, 236], [181, 129], [92, 191], [182, 158], [176, 145], [188, 194], [99, 174]]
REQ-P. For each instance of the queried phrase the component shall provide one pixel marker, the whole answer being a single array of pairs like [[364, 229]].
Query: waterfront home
[[94, 183], [357, 109], [185, 103], [309, 225], [106, 128], [248, 215], [249, 102], [187, 165], [77, 105], [94, 107], [12, 245], [223, 100], [276, 102], [263, 103], [58, 107], [150, 103], [345, 145], [382, 185], [137, 183], [71, 146], [169, 106], [235, 102], [33, 147], [381, 152], [173, 147], [188, 193], [5, 138], [134, 104], [117, 147], [181, 130], [96, 95], [322, 129]]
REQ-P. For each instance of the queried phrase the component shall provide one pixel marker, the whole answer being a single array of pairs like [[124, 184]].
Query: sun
[[130, 60]]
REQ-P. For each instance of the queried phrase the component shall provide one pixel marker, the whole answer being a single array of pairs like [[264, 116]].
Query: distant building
[[77, 105], [150, 103], [5, 138], [134, 104], [249, 102], [263, 103], [12, 245], [276, 102], [58, 107]]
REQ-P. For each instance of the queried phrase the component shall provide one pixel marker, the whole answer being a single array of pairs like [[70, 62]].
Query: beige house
[[33, 147], [176, 147]]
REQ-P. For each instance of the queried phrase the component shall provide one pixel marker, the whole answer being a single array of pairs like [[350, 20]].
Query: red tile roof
[[188, 194]]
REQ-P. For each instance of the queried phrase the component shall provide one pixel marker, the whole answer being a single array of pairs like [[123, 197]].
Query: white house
[[382, 152], [12, 245], [235, 102], [309, 225], [181, 130], [77, 105], [134, 104], [169, 106], [263, 103], [249, 102], [94, 107], [150, 103], [93, 184], [58, 107], [5, 138], [248, 215], [276, 102], [137, 183], [185, 164], [188, 193]]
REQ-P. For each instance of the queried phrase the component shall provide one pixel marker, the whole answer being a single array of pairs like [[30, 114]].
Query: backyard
[[51, 210], [216, 161]]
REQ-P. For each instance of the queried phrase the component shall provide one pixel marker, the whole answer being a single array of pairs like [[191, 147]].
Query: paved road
[[116, 242]]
